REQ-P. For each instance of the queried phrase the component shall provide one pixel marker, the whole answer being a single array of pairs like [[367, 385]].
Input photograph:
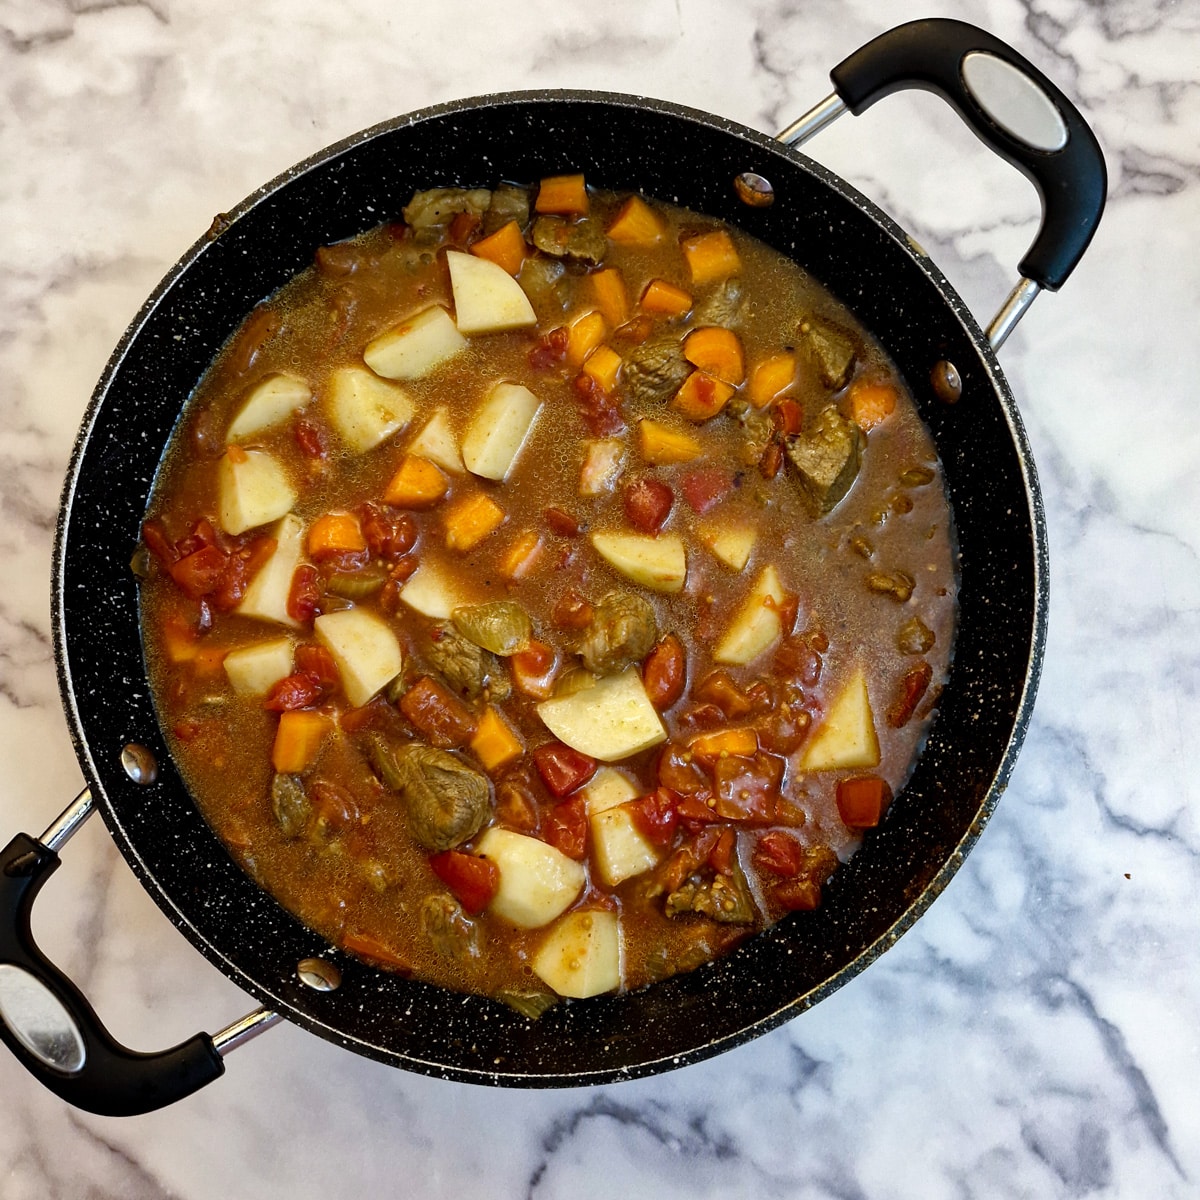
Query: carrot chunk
[[710, 256], [416, 484], [870, 403], [662, 444], [472, 519], [335, 534], [742, 742], [861, 801], [583, 336], [718, 351], [603, 365], [522, 556], [769, 377], [608, 287], [562, 195], [702, 396], [637, 224], [665, 298], [494, 743], [505, 247], [297, 739]]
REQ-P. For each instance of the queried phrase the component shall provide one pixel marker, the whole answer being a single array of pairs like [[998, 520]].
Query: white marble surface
[[1036, 1034]]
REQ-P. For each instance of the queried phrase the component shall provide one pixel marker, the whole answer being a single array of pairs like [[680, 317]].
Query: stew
[[545, 592]]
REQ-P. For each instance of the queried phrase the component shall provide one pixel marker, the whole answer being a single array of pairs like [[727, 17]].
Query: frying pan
[[618, 142]]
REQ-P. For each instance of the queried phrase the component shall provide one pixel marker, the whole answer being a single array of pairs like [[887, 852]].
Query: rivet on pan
[[319, 975], [947, 382], [754, 190], [140, 765]]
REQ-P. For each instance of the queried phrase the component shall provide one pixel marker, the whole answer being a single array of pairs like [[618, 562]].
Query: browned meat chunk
[[724, 305], [826, 458], [583, 240], [509, 203], [654, 371], [831, 351], [623, 630], [439, 206]]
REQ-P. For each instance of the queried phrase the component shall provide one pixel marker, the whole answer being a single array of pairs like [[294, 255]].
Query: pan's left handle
[[48, 1023]]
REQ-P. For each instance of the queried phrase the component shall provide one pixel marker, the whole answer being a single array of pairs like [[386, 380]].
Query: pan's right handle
[[1013, 108], [50, 1026]]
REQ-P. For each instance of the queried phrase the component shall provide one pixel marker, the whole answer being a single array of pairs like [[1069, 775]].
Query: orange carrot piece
[[862, 801], [603, 365], [662, 444], [416, 484], [494, 743], [471, 520], [522, 556], [742, 742], [334, 534], [711, 256], [769, 377], [364, 946], [297, 740], [583, 335], [870, 402], [665, 298], [562, 195], [637, 224], [505, 247], [608, 287], [718, 351], [701, 396]]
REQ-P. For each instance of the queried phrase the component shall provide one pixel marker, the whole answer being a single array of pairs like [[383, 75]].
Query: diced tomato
[[656, 816], [304, 594], [203, 534], [572, 610], [678, 770], [600, 411], [462, 226], [566, 827], [244, 564], [647, 503], [789, 416], [293, 691], [719, 688], [158, 542], [319, 663], [388, 532], [688, 858], [912, 687], [779, 853], [797, 895], [309, 438], [747, 789], [199, 572], [334, 806], [551, 350], [472, 880], [533, 669], [772, 460], [721, 857], [561, 522], [563, 769], [695, 811], [664, 672], [438, 713], [375, 951], [705, 487], [862, 801]]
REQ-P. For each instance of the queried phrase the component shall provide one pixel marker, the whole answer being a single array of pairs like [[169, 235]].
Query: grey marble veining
[[1035, 1035]]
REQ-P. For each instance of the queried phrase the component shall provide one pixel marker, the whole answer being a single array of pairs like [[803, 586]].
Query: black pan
[[619, 142]]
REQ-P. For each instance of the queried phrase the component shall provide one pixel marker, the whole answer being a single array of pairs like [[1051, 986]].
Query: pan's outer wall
[[622, 143]]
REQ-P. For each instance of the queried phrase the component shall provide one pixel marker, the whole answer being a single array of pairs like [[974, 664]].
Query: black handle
[[959, 63], [110, 1079]]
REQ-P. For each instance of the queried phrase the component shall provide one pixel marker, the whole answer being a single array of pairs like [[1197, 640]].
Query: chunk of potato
[[659, 563], [498, 429], [272, 400], [416, 346], [432, 592], [609, 721], [252, 488], [266, 597], [619, 849], [537, 882], [438, 442], [365, 649], [581, 955], [846, 738], [756, 626], [364, 409], [731, 541], [255, 670], [487, 299]]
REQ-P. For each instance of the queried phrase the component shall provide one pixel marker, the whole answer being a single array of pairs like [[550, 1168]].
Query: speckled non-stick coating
[[681, 156]]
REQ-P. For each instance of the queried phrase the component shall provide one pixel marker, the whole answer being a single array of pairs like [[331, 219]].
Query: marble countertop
[[1035, 1035]]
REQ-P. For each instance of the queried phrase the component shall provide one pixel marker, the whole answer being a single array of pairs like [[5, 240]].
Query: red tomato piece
[[779, 853], [721, 857], [600, 410], [862, 801], [304, 595], [647, 503], [551, 350], [706, 487], [656, 816], [438, 713], [309, 438], [561, 522], [664, 672], [292, 692], [533, 669], [797, 895], [562, 769], [158, 542], [789, 416], [472, 880], [388, 532], [319, 663], [199, 572], [748, 788], [566, 828]]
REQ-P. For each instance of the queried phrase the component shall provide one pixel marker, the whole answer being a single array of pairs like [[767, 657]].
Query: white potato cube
[[487, 299], [432, 592], [255, 670], [659, 563], [498, 429], [365, 649], [438, 442], [272, 400], [364, 409], [266, 597], [619, 849], [731, 541], [416, 346], [846, 738], [252, 489], [537, 882], [603, 460], [609, 721], [581, 955], [756, 626]]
